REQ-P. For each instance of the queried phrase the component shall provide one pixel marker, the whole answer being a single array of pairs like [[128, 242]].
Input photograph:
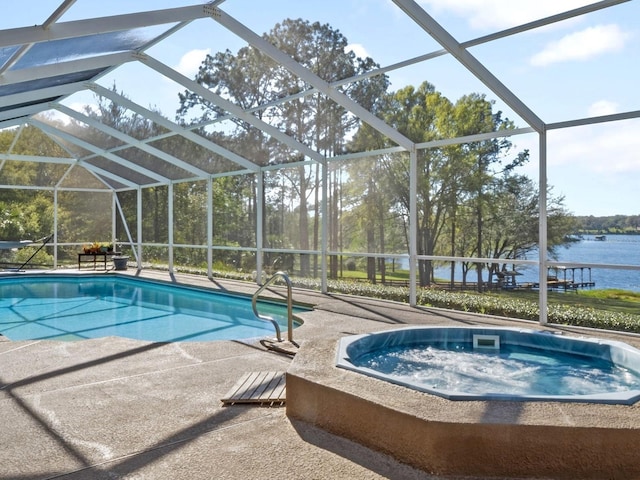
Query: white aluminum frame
[[37, 101]]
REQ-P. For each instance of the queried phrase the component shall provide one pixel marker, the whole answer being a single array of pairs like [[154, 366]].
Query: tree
[[252, 81], [451, 179], [473, 114], [369, 205], [28, 214]]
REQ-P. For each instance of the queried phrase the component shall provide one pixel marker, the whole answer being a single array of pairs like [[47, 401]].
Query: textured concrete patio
[[117, 408]]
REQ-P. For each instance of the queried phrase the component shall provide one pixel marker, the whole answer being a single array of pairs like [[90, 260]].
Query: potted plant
[[95, 248], [120, 262]]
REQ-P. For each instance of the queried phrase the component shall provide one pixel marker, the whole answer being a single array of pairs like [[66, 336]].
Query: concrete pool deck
[[119, 408]]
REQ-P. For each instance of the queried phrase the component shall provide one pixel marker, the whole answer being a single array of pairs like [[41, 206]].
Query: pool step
[[262, 388]]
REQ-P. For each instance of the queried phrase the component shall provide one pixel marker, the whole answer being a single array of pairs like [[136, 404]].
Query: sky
[[582, 67]]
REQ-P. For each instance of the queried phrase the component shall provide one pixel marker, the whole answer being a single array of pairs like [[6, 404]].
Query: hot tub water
[[512, 370]]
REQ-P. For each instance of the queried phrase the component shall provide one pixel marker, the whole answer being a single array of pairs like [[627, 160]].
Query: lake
[[616, 249]]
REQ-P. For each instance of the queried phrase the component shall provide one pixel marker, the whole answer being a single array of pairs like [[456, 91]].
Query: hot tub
[[497, 437], [477, 363]]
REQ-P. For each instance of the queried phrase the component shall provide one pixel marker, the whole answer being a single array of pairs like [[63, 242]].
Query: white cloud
[[605, 149], [602, 107], [358, 49], [582, 45], [191, 61], [596, 167], [498, 14]]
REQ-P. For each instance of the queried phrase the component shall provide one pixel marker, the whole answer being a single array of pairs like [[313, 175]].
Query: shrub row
[[473, 303], [489, 305]]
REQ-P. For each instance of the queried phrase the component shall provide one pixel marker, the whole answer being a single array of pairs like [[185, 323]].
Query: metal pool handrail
[[254, 302]]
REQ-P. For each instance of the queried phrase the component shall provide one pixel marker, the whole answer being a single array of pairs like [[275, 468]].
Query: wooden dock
[[555, 285], [566, 283]]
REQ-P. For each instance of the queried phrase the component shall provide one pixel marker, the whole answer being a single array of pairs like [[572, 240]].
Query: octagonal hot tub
[[464, 363], [499, 434]]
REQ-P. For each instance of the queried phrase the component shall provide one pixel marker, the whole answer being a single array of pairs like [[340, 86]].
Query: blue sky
[[578, 68]]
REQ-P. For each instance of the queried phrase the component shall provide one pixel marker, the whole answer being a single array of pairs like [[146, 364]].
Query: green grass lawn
[[612, 300], [398, 275]]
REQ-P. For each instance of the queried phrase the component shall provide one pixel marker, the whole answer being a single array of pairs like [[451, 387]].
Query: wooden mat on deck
[[263, 388]]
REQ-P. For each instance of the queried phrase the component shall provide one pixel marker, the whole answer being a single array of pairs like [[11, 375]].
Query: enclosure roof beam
[[22, 113], [614, 117], [174, 29], [65, 68], [13, 122], [172, 126], [576, 12], [32, 96], [228, 106], [36, 158], [21, 52], [93, 148], [438, 53], [444, 38], [478, 137], [116, 23], [132, 142], [308, 76], [482, 40], [96, 172], [99, 172]]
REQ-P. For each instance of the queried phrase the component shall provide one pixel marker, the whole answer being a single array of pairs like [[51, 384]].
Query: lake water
[[616, 249]]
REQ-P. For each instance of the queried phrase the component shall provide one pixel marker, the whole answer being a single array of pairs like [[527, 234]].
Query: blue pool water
[[521, 365], [75, 308]]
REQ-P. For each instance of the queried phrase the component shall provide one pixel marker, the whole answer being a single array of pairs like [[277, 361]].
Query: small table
[[93, 257]]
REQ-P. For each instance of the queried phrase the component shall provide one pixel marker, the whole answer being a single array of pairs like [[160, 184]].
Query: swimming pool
[[66, 307]]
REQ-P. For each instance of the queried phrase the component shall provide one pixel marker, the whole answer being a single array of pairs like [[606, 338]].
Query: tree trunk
[[382, 266], [304, 225], [453, 246], [371, 261], [479, 247]]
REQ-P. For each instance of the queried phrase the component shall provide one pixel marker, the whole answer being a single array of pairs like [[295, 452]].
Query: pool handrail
[[44, 241], [254, 302]]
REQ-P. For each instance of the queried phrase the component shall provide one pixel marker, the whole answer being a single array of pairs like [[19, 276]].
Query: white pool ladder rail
[[254, 304]]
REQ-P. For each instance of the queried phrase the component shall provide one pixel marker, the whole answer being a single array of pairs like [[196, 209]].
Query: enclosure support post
[[324, 168], [209, 227], [542, 228], [125, 225], [170, 226], [55, 227], [259, 214], [413, 224], [139, 227], [114, 207]]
